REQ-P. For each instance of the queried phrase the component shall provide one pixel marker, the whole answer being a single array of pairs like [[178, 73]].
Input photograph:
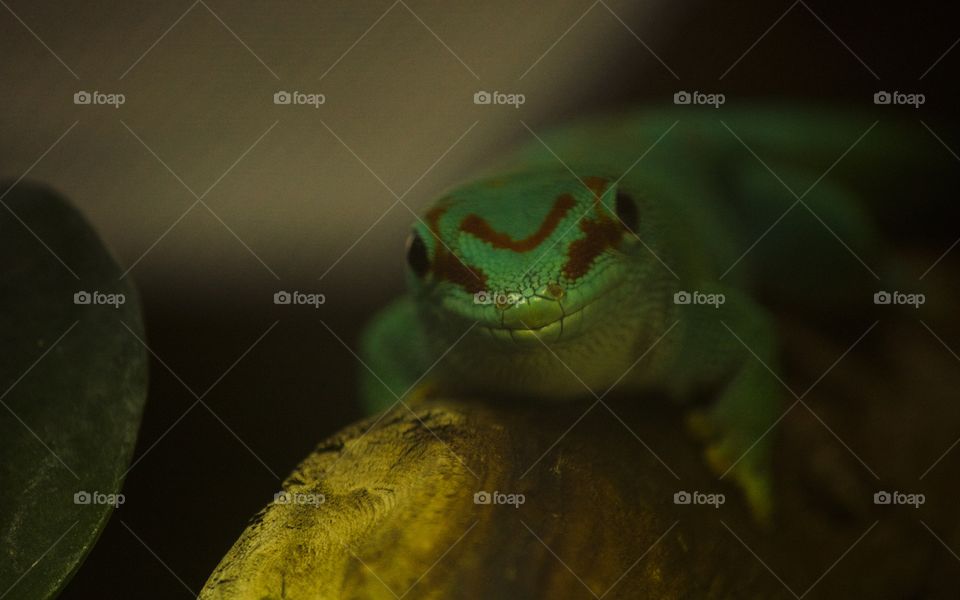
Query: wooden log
[[386, 508]]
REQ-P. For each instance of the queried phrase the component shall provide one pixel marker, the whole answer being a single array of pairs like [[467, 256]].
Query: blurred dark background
[[288, 214]]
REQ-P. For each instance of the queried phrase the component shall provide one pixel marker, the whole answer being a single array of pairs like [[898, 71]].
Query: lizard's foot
[[729, 454]]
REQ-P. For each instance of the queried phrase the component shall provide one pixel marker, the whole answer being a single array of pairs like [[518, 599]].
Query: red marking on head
[[600, 233], [445, 265], [597, 185], [479, 228]]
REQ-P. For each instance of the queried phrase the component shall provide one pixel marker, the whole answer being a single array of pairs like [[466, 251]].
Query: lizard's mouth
[[567, 326], [539, 320]]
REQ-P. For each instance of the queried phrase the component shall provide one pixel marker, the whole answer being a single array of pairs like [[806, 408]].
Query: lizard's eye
[[417, 256], [627, 211]]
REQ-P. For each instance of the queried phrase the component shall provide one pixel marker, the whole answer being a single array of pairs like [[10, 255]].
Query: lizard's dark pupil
[[627, 211], [417, 256]]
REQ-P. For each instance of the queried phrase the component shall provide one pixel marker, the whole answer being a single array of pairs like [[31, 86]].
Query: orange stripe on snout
[[479, 228]]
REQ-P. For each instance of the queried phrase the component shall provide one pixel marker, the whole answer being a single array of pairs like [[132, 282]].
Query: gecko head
[[531, 257]]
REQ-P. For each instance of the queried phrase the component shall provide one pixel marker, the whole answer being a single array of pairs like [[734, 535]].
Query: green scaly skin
[[584, 253]]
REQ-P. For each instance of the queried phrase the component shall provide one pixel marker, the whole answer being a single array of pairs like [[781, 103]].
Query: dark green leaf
[[72, 388]]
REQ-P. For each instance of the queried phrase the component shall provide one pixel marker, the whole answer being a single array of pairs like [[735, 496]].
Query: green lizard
[[608, 254]]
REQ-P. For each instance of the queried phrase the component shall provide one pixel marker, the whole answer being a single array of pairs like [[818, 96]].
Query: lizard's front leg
[[736, 343], [394, 354]]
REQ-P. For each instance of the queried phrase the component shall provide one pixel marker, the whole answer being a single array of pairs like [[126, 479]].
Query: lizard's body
[[584, 252]]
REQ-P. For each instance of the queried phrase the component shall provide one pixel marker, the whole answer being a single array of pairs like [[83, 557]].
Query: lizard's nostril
[[505, 300], [555, 291]]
